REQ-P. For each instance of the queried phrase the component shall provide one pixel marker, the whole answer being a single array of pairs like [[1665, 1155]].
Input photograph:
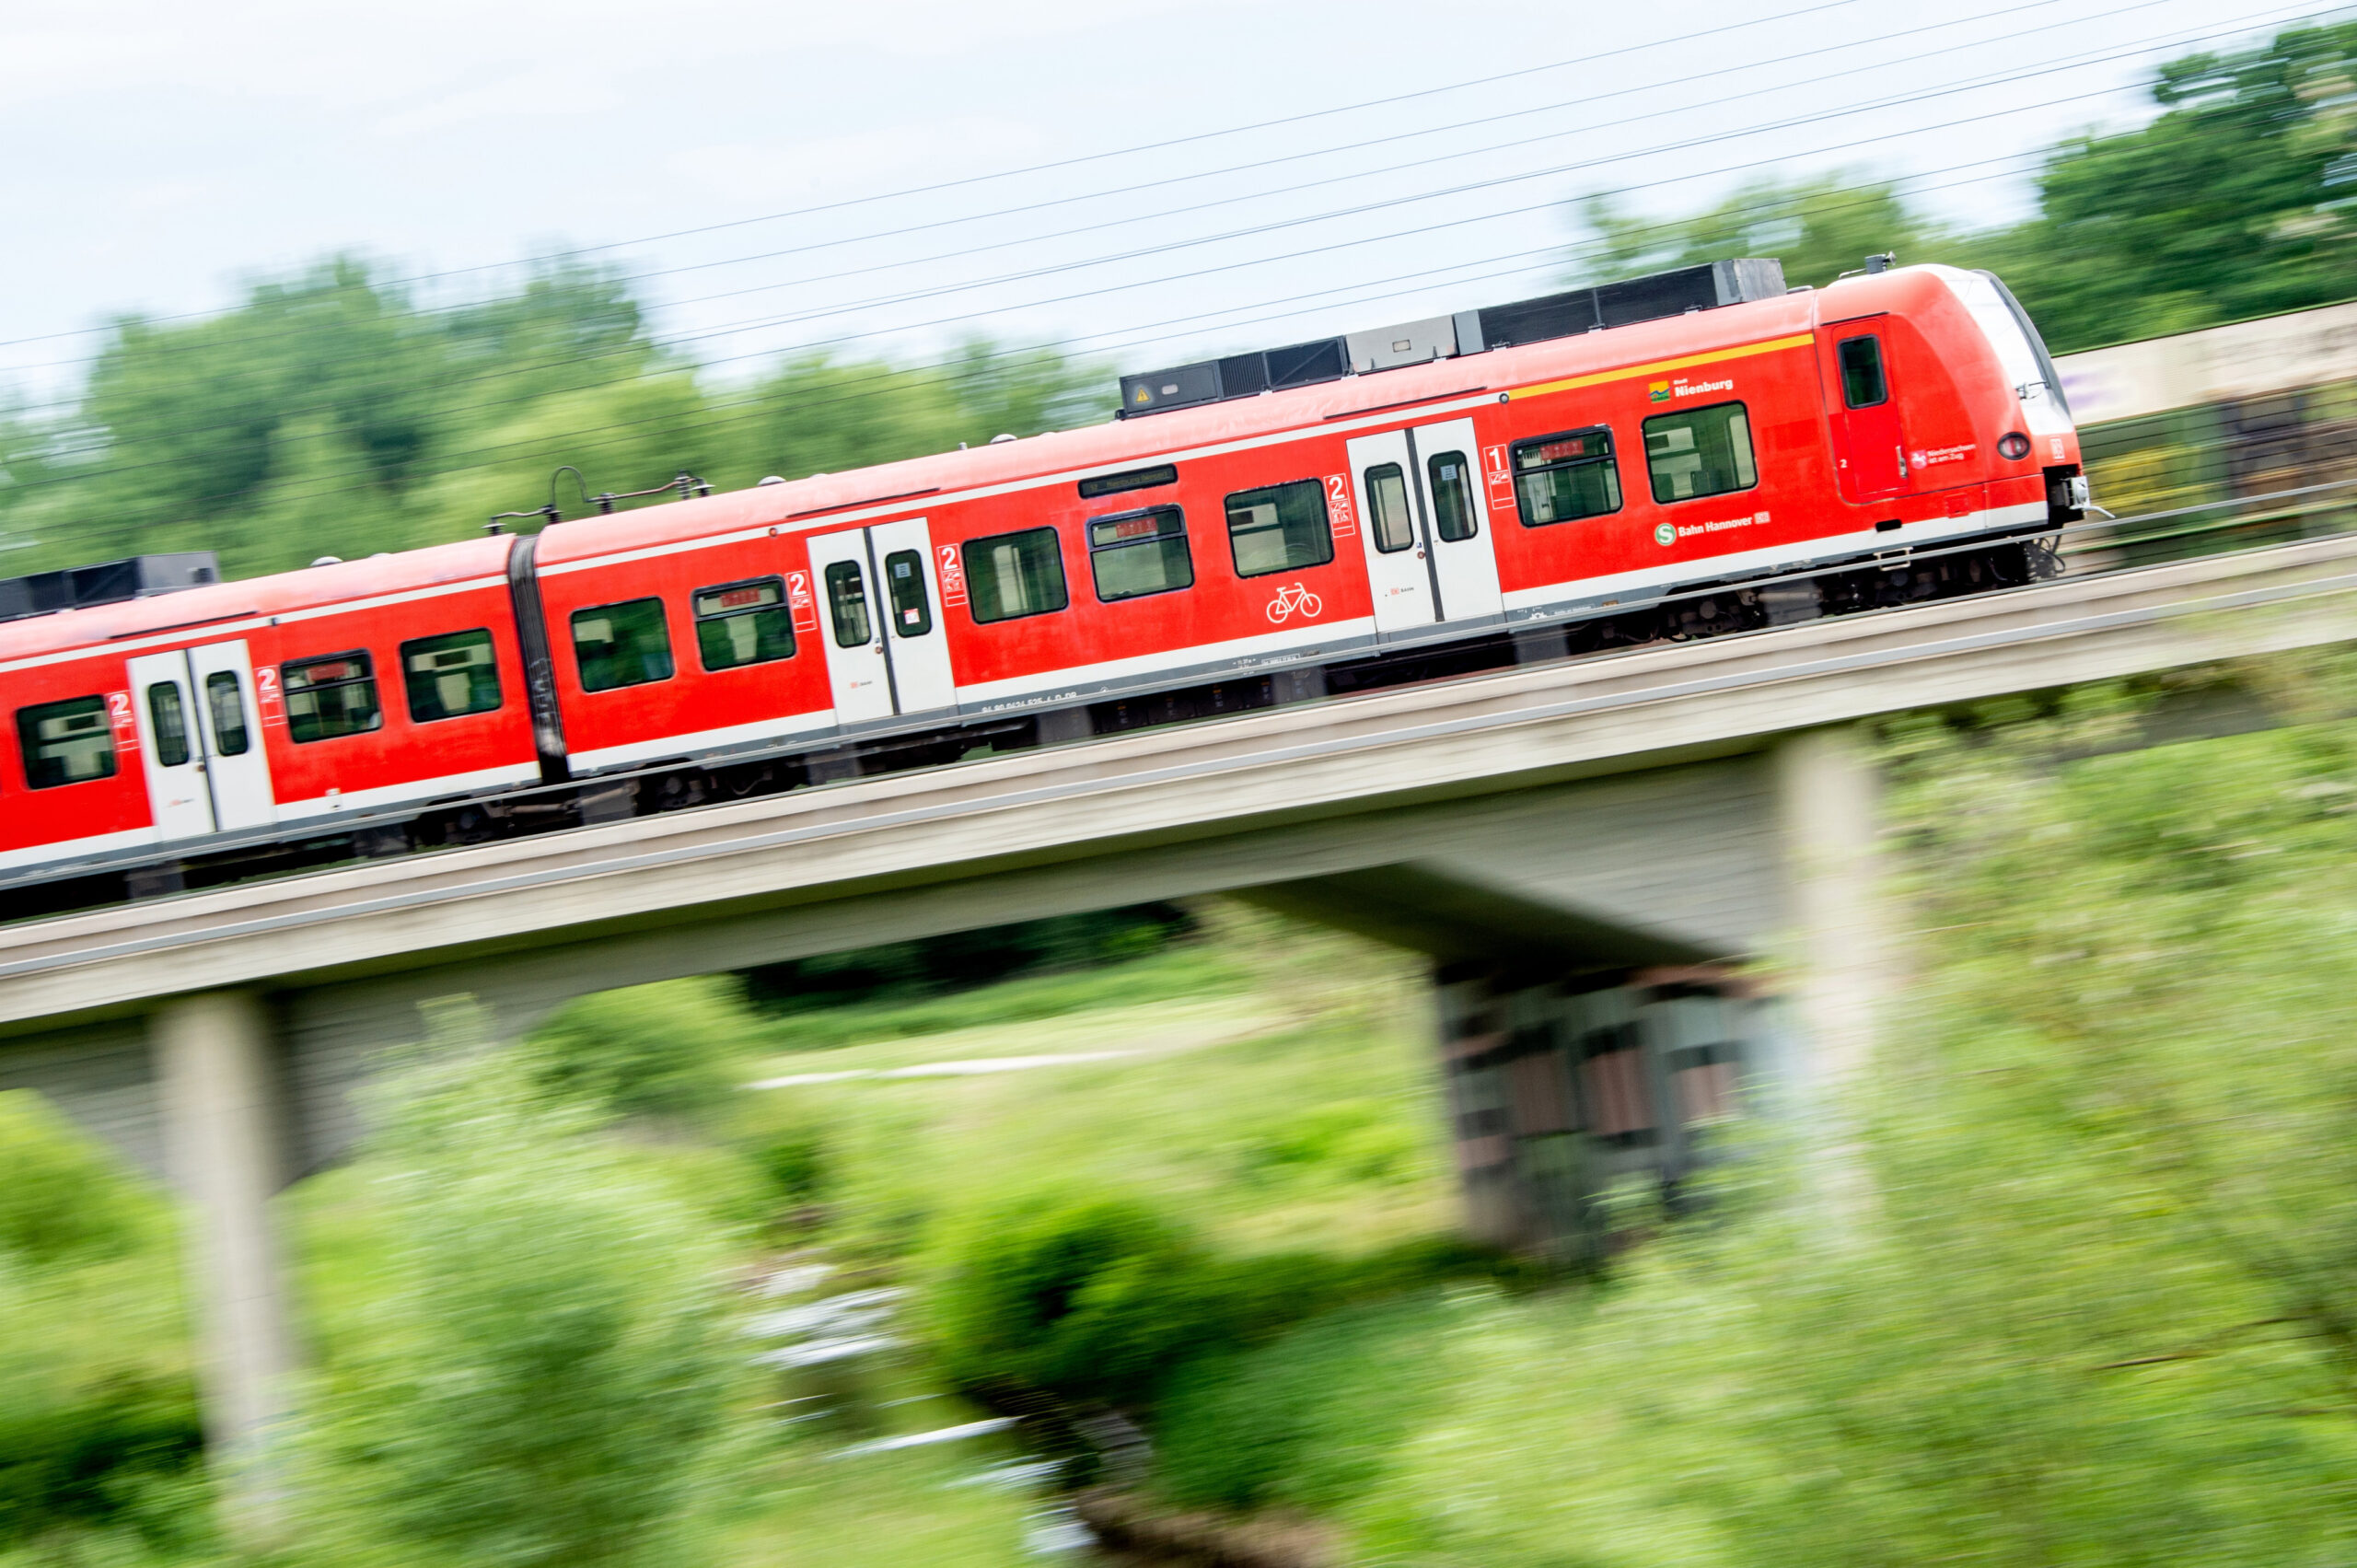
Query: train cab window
[[1015, 574], [1136, 553], [1387, 498], [227, 705], [68, 742], [1281, 529], [331, 697], [1565, 477], [448, 676], [1698, 452], [1452, 481], [847, 602], [621, 644], [742, 624], [904, 586], [167, 720], [1861, 380]]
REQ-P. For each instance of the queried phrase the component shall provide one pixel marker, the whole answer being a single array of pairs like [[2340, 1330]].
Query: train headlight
[[2013, 445]]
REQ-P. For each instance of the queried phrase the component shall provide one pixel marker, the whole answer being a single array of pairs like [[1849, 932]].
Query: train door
[[235, 763], [1429, 556], [1869, 445], [880, 621], [199, 744]]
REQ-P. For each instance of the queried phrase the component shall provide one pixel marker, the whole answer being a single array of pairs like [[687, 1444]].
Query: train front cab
[[1945, 416]]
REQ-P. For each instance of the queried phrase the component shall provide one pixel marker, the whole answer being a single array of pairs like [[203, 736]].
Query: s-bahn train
[[1695, 452]]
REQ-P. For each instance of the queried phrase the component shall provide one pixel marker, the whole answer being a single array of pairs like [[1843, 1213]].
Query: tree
[[1818, 227]]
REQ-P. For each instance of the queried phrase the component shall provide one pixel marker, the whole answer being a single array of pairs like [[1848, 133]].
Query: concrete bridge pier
[[223, 1124]]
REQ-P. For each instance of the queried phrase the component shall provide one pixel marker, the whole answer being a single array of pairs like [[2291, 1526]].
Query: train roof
[[311, 588]]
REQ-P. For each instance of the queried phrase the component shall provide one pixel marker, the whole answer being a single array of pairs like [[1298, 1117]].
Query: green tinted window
[[228, 707], [1014, 575], [453, 674], [1558, 479], [68, 742], [1697, 452], [331, 697], [1861, 381], [168, 721], [621, 644], [1452, 482], [1387, 500], [1281, 529], [1138, 553], [743, 623], [847, 602]]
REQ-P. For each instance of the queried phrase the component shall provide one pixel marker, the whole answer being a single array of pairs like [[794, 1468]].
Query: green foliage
[[539, 1370], [2239, 199], [1309, 1421], [61, 1195], [333, 413], [101, 1446], [1819, 227], [960, 960], [671, 1048]]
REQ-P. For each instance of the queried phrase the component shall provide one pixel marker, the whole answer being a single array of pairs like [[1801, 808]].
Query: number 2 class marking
[[1338, 501]]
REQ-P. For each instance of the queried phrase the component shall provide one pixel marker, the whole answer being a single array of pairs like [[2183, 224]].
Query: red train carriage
[[1587, 461]]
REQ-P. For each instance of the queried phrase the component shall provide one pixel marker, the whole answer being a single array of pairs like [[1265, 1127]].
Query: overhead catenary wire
[[635, 347], [1165, 214], [1074, 161]]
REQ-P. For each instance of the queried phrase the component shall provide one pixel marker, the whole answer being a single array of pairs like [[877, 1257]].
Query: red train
[[1695, 452]]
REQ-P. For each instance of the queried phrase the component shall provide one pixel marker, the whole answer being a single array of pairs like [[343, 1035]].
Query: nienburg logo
[[1658, 392]]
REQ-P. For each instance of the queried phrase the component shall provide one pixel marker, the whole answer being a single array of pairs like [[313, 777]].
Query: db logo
[[1666, 534], [953, 575], [1296, 597]]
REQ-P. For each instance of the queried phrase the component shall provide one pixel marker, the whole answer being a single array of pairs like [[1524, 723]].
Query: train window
[[331, 697], [1387, 498], [1452, 495], [1698, 452], [1563, 477], [847, 598], [1861, 380], [167, 718], [1281, 529], [68, 742], [742, 624], [1012, 575], [228, 708], [904, 585], [1137, 553], [1136, 479], [450, 675], [621, 644]]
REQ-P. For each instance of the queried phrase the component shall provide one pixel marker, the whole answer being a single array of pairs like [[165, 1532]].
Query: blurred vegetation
[[334, 412], [2238, 198]]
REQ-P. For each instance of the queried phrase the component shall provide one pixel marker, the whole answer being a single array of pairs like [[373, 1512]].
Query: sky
[[1148, 182]]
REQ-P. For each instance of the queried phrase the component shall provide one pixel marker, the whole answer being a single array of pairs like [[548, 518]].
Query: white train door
[[1427, 532], [879, 619], [223, 684], [165, 711], [200, 743]]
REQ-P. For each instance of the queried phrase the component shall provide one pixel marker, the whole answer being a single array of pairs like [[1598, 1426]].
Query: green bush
[[1308, 1420], [542, 1370], [61, 1195], [671, 1048], [1100, 1298]]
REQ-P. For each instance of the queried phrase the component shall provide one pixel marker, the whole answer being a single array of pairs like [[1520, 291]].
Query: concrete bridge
[[1581, 846]]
